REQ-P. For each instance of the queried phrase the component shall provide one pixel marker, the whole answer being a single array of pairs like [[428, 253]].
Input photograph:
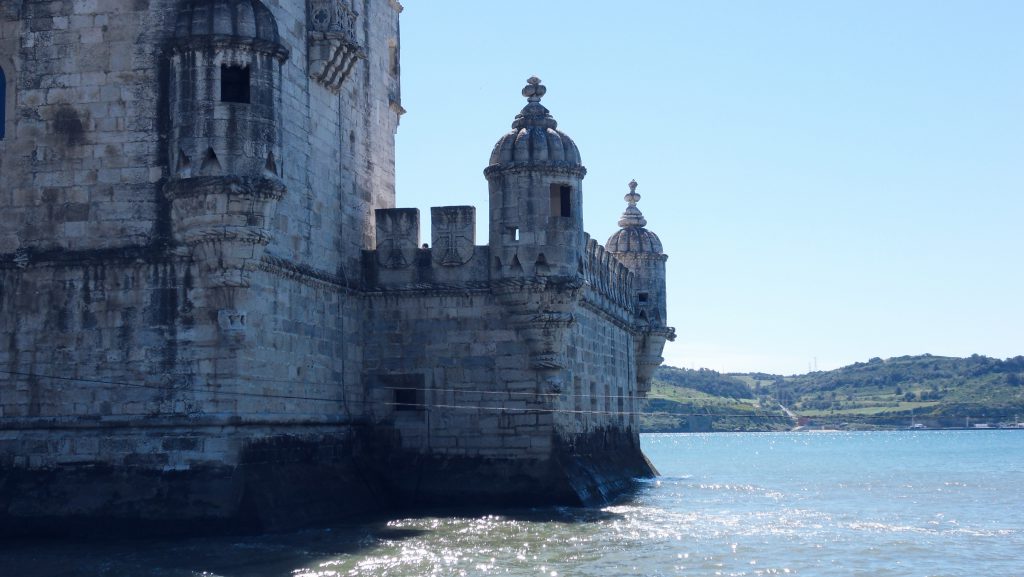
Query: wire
[[425, 406]]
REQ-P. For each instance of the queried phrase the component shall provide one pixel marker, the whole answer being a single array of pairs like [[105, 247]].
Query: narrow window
[[513, 233], [3, 103], [561, 200], [642, 297], [234, 84], [393, 57]]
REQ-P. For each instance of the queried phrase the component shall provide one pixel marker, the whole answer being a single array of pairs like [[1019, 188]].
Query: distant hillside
[[684, 400], [927, 390]]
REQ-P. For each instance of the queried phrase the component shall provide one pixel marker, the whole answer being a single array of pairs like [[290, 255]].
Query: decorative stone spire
[[632, 237], [534, 113], [632, 217]]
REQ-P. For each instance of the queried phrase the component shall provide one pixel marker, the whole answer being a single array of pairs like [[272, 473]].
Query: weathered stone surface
[[213, 317]]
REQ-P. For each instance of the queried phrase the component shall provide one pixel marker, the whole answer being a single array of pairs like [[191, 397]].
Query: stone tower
[[641, 251], [535, 180]]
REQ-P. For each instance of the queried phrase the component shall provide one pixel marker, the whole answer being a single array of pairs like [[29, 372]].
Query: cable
[[425, 406]]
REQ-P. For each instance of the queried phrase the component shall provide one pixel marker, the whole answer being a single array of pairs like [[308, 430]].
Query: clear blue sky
[[833, 181]]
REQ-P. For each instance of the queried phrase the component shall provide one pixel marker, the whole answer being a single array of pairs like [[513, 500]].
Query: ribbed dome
[[535, 137], [633, 237], [634, 240], [248, 19]]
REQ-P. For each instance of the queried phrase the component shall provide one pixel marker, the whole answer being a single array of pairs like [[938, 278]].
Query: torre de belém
[[213, 317]]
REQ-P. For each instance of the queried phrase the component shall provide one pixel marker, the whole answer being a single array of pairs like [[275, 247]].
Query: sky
[[832, 181]]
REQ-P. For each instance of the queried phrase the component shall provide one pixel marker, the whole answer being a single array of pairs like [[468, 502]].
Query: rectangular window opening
[[407, 391], [408, 400], [642, 297], [393, 61], [234, 84], [561, 200], [513, 233]]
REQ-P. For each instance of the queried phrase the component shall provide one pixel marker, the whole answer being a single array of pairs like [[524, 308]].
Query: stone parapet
[[609, 282]]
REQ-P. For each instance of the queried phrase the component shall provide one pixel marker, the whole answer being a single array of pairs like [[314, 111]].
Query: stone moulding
[[549, 168], [648, 354], [334, 49], [332, 58], [227, 43], [225, 222], [541, 312], [304, 274]]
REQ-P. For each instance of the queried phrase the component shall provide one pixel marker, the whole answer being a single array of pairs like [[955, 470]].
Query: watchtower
[[535, 184]]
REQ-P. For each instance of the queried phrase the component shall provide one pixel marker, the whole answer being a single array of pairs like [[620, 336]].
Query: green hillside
[[933, 391], [684, 400]]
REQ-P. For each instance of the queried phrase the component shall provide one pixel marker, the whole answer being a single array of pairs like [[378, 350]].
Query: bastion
[[213, 317]]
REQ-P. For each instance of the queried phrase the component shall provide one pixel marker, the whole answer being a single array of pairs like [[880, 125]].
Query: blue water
[[887, 504]]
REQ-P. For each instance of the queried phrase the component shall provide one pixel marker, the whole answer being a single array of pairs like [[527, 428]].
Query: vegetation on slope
[[927, 390], [934, 391], [684, 400]]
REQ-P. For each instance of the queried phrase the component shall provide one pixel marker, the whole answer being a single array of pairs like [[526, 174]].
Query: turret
[[535, 179], [224, 142], [641, 251]]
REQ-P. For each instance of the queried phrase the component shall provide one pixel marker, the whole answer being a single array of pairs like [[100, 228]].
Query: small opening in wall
[[561, 200], [393, 62], [513, 233], [408, 400], [234, 84], [642, 297], [407, 391]]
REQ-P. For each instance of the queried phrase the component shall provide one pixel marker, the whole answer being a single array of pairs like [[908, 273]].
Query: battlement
[[609, 281], [452, 259]]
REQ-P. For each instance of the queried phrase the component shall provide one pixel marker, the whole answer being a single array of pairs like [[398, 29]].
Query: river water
[[885, 504]]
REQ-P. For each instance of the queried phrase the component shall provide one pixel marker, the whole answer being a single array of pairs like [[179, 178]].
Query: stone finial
[[534, 90], [534, 113], [632, 217]]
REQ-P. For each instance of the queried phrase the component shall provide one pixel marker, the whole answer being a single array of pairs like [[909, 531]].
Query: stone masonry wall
[[476, 397], [80, 166], [339, 150]]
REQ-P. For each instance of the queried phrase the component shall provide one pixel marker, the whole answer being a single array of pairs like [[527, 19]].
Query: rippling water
[[921, 504]]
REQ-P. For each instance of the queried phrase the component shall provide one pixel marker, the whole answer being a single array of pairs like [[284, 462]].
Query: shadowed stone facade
[[214, 317]]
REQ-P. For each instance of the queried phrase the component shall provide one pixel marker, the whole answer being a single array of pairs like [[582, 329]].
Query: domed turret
[[641, 251], [535, 138], [225, 90], [633, 237], [535, 179]]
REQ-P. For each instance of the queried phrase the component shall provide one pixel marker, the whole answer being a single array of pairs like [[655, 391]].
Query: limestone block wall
[[106, 321], [80, 164], [449, 373], [124, 362], [302, 347], [339, 150], [603, 369]]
